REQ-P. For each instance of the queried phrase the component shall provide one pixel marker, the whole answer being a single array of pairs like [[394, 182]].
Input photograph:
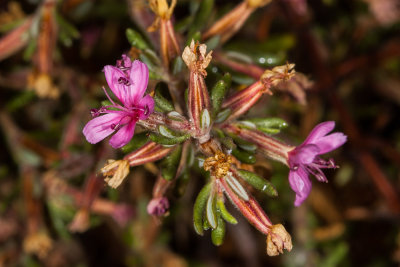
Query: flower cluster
[[214, 134]]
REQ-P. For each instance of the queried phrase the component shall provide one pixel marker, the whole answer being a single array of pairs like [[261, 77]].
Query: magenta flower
[[305, 159], [128, 82]]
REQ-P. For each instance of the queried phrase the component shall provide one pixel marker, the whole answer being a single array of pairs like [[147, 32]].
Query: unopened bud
[[115, 172], [158, 206], [278, 240]]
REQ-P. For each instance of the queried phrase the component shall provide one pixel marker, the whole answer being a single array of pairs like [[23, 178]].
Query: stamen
[[146, 110], [294, 168], [94, 112], [124, 81], [115, 127]]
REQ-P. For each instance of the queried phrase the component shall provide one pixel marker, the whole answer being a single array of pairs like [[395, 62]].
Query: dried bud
[[38, 243], [117, 170], [257, 3], [43, 85], [80, 223], [278, 74], [196, 58], [158, 206], [278, 240], [161, 9]]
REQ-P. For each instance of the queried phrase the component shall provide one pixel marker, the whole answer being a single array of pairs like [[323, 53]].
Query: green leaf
[[224, 212], [162, 140], [205, 119], [213, 42], [162, 104], [218, 234], [219, 91], [223, 115], [198, 208], [268, 125], [177, 65], [244, 156], [202, 17], [211, 211], [196, 37], [169, 164], [30, 49], [137, 141], [237, 187], [259, 183], [21, 100], [136, 39]]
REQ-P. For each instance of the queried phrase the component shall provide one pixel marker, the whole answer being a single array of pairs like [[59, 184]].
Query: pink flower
[[305, 159], [128, 81]]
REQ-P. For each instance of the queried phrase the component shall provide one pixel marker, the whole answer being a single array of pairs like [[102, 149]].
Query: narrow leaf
[[218, 234], [218, 92], [198, 208], [223, 115], [237, 187], [244, 156], [162, 140], [162, 104], [169, 165], [137, 141], [205, 119], [224, 212], [258, 182], [211, 212], [136, 39]]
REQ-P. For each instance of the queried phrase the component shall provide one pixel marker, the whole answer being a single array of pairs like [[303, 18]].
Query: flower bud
[[158, 206], [278, 240]]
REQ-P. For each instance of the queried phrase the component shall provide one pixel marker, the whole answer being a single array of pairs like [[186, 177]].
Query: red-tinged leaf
[[150, 152], [15, 40]]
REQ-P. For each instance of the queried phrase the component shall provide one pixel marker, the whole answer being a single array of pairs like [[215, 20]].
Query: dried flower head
[[278, 74], [115, 172], [196, 58], [278, 240], [218, 165], [38, 243]]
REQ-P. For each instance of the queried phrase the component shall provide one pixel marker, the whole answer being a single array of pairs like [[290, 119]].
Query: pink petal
[[139, 77], [123, 136], [301, 185], [303, 154], [319, 131], [330, 142], [149, 102], [112, 75], [99, 128]]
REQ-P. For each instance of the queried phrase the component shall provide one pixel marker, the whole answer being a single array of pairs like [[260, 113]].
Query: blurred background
[[56, 211]]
